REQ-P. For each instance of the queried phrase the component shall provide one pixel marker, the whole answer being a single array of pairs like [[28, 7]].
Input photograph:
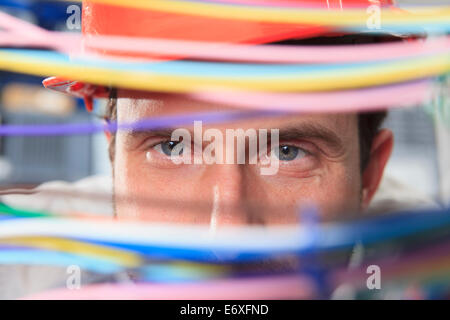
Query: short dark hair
[[369, 124]]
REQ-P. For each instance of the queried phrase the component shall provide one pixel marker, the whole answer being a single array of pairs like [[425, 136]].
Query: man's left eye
[[170, 148], [289, 153]]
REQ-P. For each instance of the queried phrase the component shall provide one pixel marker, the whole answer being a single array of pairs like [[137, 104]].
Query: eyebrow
[[313, 131], [138, 135], [303, 131]]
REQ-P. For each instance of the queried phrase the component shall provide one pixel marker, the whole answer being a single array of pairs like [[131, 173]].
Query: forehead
[[137, 107]]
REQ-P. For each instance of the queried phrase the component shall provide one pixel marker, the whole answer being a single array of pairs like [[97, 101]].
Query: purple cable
[[141, 125]]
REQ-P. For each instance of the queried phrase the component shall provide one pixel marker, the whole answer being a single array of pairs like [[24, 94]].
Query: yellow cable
[[334, 80], [119, 256], [347, 17]]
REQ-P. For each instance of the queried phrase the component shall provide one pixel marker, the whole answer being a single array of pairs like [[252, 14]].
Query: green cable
[[7, 210]]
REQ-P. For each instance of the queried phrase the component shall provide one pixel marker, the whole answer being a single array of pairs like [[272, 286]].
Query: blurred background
[[29, 161]]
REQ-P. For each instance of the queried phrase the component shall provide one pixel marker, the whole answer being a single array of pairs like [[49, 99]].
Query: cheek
[[144, 192], [334, 191], [341, 194]]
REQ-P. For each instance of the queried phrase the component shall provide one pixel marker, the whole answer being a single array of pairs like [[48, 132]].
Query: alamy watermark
[[73, 22], [374, 280], [259, 151], [73, 281], [374, 12]]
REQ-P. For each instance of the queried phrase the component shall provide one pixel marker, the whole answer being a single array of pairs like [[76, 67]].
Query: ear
[[379, 155], [107, 133], [108, 136]]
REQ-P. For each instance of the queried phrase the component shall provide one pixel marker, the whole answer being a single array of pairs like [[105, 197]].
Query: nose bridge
[[229, 194]]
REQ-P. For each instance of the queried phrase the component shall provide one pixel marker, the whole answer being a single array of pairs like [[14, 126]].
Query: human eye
[[166, 153], [295, 158], [169, 148], [285, 152]]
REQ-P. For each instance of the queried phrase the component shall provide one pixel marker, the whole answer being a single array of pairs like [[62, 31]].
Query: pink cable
[[279, 3], [280, 287], [71, 43], [295, 4], [20, 26], [400, 95], [65, 43], [270, 53]]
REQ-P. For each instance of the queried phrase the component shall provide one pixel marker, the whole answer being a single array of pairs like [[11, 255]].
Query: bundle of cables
[[304, 261]]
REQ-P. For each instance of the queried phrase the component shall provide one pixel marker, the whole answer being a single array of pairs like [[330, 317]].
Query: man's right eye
[[170, 148]]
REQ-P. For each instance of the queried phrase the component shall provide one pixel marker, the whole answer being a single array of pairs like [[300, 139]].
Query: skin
[[326, 172]]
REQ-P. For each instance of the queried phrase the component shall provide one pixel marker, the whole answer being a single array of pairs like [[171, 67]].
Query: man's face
[[319, 163]]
